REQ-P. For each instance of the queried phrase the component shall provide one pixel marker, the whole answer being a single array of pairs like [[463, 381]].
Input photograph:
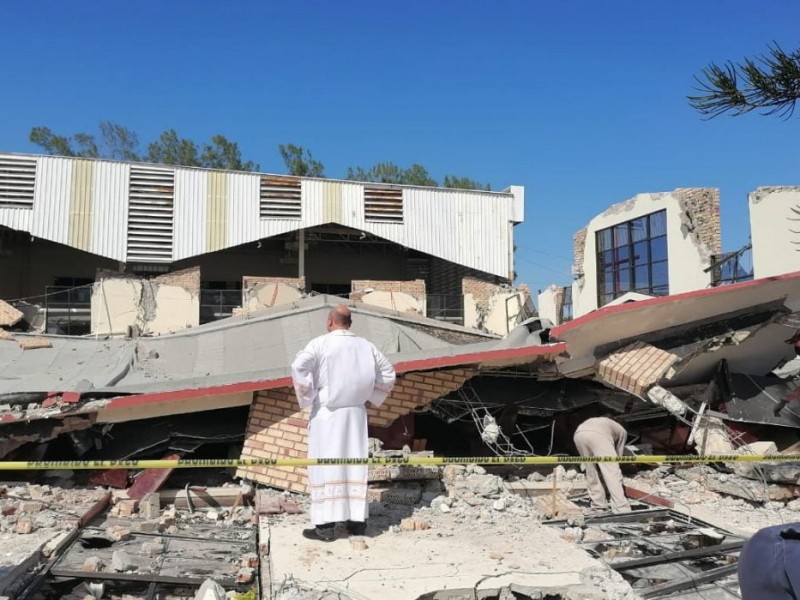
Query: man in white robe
[[336, 375]]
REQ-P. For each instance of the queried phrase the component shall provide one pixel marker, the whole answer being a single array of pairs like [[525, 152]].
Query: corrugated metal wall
[[110, 210], [85, 204]]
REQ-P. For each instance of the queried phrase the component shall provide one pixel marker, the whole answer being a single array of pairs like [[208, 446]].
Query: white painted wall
[[398, 301], [776, 248], [117, 304], [687, 259], [547, 304], [268, 294]]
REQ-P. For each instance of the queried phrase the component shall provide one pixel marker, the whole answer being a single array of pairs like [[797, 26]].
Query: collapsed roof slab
[[601, 332], [221, 364]]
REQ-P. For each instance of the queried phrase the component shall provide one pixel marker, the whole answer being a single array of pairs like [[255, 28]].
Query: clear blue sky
[[582, 102]]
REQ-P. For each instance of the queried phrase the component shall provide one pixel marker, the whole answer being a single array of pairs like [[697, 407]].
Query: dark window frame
[[625, 255]]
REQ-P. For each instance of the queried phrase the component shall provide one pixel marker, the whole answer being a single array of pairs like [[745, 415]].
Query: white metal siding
[[51, 199], [467, 228], [110, 210], [243, 206], [191, 213], [16, 218]]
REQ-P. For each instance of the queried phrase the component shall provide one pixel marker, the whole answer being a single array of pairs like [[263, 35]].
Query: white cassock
[[336, 375]]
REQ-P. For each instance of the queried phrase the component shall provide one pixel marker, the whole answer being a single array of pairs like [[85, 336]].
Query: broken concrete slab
[[532, 489]]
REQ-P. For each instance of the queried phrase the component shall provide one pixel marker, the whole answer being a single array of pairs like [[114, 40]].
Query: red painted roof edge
[[723, 289], [401, 367]]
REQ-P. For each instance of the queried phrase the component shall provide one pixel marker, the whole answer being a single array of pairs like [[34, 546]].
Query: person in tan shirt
[[602, 436]]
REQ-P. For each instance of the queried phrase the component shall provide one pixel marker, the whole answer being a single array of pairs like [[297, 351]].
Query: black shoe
[[356, 527], [319, 534]]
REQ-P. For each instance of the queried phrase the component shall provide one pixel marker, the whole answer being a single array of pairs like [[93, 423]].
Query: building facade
[[64, 221], [670, 243]]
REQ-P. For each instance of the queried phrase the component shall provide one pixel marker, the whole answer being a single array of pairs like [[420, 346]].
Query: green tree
[[169, 149], [387, 172], [464, 183], [300, 162], [221, 153], [115, 142], [770, 83]]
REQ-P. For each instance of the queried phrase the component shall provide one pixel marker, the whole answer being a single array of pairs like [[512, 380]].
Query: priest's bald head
[[339, 318]]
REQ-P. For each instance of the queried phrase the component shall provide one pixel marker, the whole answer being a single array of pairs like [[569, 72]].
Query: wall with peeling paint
[[775, 230], [692, 238]]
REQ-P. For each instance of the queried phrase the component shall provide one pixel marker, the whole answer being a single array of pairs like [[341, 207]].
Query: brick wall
[[635, 368], [188, 279], [298, 282], [276, 428], [579, 249], [481, 289], [413, 287], [702, 208]]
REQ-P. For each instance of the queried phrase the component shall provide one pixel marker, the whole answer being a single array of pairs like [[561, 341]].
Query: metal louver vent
[[383, 204], [17, 180], [150, 214], [280, 197]]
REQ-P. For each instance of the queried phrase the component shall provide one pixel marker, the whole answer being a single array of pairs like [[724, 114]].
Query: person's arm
[[303, 369], [384, 378], [622, 438]]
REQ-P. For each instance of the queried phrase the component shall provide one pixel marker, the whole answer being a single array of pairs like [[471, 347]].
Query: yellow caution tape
[[406, 460]]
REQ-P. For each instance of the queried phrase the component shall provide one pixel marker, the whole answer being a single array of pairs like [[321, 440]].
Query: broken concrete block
[[126, 508], [485, 485], [118, 533], [666, 399], [121, 561], [149, 526], [93, 564], [214, 515], [452, 472], [499, 505], [150, 506], [24, 526], [249, 560], [407, 496], [245, 575], [29, 506], [210, 590], [153, 548], [358, 544]]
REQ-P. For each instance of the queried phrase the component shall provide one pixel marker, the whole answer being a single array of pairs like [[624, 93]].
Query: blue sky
[[582, 102]]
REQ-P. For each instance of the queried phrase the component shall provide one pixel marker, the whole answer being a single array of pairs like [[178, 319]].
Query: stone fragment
[[485, 485], [24, 526], [499, 505], [445, 508], [150, 506], [153, 548], [407, 524], [150, 526], [121, 561], [92, 564], [214, 515], [250, 560], [358, 544], [210, 590], [440, 501], [28, 506], [245, 575], [126, 508], [572, 534], [452, 472], [118, 533]]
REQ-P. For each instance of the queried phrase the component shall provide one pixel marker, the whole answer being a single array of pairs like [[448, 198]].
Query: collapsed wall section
[[276, 427]]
